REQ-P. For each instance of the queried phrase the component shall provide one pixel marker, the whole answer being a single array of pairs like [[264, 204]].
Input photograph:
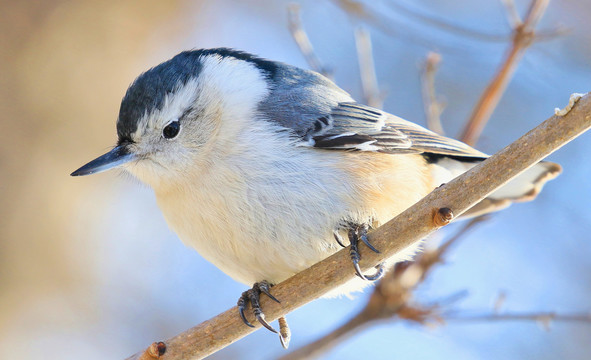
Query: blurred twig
[[361, 12], [369, 81], [433, 107], [301, 38], [512, 15], [523, 36], [445, 25], [409, 227], [543, 318], [371, 92], [499, 301], [394, 27]]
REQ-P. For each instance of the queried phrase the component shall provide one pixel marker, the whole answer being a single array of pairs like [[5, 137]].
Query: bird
[[265, 168]]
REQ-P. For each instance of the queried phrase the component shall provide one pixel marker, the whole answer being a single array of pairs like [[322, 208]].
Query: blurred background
[[88, 267]]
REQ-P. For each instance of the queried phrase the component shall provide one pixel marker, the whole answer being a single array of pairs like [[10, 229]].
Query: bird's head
[[177, 115]]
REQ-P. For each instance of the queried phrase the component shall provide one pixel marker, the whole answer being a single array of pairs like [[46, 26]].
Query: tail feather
[[524, 187]]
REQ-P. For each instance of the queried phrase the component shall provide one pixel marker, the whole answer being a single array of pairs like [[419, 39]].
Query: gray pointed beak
[[118, 156]]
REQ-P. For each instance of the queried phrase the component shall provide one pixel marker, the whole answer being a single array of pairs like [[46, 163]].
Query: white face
[[211, 110]]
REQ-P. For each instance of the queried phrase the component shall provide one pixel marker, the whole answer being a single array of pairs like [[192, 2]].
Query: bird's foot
[[356, 233], [253, 296]]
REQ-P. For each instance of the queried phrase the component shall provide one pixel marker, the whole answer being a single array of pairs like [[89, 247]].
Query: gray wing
[[324, 116], [353, 126], [301, 100]]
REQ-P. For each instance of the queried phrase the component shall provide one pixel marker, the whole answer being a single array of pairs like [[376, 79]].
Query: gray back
[[299, 98]]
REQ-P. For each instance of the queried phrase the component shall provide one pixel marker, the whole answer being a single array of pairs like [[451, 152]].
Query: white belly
[[271, 214], [256, 226]]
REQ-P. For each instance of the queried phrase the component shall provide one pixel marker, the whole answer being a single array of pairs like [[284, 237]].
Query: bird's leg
[[356, 233], [253, 296]]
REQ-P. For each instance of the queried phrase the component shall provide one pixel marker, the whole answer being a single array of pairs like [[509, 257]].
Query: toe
[[261, 318]]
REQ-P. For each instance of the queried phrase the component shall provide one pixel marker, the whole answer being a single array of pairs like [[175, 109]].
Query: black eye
[[171, 130]]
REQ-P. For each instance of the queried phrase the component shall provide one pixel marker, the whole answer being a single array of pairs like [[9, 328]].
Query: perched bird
[[265, 168]]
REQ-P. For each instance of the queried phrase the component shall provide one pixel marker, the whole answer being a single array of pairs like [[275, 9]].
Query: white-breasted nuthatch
[[264, 167]]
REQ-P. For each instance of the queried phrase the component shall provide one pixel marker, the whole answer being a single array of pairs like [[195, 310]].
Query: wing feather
[[359, 127]]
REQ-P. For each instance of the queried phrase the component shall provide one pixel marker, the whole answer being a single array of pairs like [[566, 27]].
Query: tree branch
[[523, 36], [407, 228]]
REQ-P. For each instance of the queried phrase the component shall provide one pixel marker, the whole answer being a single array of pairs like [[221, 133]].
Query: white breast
[[262, 212]]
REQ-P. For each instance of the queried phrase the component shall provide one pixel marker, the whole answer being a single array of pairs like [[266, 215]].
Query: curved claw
[[378, 275], [368, 244], [266, 292], [358, 271], [356, 233], [261, 318], [338, 238], [264, 288], [363, 236], [241, 311], [252, 295]]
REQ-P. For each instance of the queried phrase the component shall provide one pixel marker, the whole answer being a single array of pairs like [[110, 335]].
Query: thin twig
[[361, 12], [463, 231], [523, 36], [545, 35], [512, 15], [433, 107], [400, 29], [369, 81], [449, 299], [544, 318], [409, 227], [444, 25], [431, 257], [303, 41], [499, 301]]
